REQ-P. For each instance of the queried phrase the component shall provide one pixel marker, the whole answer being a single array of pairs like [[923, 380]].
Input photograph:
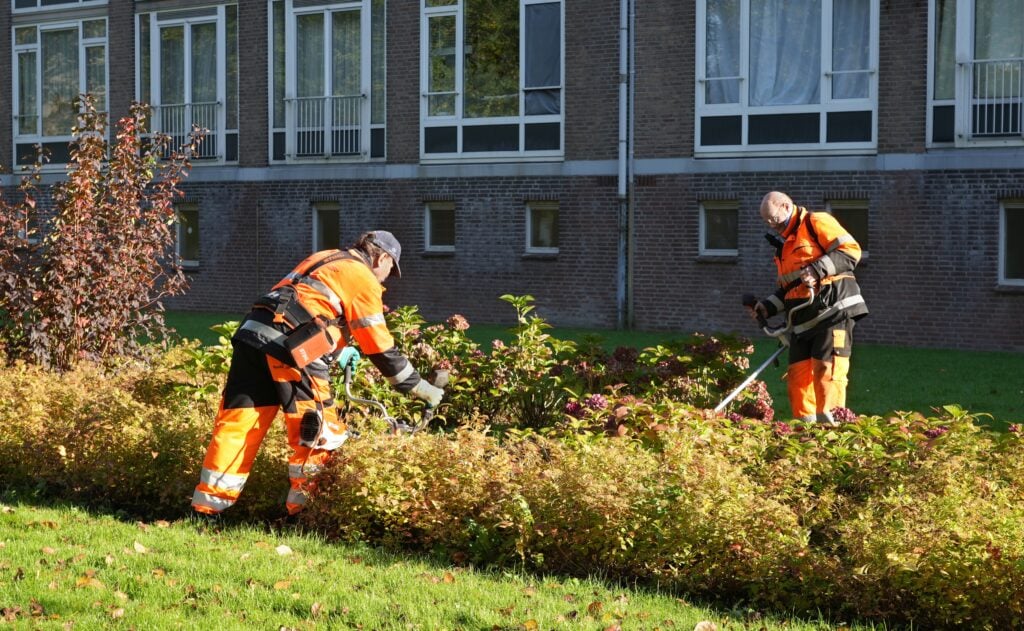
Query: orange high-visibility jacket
[[818, 241]]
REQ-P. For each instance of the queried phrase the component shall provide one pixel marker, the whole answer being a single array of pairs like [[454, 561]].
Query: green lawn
[[882, 378]]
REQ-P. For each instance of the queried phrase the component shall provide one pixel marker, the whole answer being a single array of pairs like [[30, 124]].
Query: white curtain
[[851, 41], [172, 65], [60, 81], [204, 63], [722, 51], [345, 47], [999, 29], [310, 55], [785, 52]]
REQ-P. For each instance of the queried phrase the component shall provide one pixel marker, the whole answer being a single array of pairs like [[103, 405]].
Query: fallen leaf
[[530, 625], [109, 559], [121, 596], [448, 577], [315, 609], [158, 572], [19, 575], [162, 523], [706, 625], [283, 550], [282, 585], [117, 613], [594, 608], [141, 549], [88, 581]]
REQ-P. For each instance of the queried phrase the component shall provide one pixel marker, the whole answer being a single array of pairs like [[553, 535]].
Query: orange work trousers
[[819, 364], [259, 385]]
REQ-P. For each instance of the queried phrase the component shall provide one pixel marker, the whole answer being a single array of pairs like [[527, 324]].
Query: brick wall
[[121, 58], [902, 76], [664, 96], [253, 86], [591, 80], [403, 82]]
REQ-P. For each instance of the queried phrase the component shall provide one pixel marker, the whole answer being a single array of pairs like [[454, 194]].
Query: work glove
[[349, 357], [428, 392]]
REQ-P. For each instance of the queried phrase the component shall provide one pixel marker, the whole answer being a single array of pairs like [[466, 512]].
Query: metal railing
[[325, 126], [994, 100], [176, 120]]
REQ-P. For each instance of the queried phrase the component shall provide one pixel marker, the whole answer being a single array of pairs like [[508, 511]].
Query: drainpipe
[[622, 268], [631, 208]]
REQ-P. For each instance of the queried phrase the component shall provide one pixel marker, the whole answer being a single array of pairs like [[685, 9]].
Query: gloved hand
[[428, 392], [349, 357]]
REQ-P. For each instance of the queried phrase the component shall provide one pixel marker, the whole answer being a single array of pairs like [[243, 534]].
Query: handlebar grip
[[750, 300]]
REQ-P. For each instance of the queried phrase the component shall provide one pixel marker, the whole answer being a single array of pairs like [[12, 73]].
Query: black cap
[[387, 242]]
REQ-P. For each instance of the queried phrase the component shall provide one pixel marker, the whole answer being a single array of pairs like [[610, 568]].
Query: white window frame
[[827, 104], [962, 99], [70, 4], [365, 8], [703, 250], [179, 236], [83, 44], [540, 205], [457, 120], [1015, 205], [319, 208], [165, 19], [428, 209], [852, 204]]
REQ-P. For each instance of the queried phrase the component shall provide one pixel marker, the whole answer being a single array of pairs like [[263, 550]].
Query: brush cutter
[[780, 333], [397, 426]]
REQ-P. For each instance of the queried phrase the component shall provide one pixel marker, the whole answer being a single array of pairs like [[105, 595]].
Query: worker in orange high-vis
[[281, 357], [813, 251]]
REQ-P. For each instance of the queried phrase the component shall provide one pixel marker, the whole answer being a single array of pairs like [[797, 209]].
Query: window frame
[[367, 126], [84, 43], [187, 19], [1015, 205], [457, 119], [68, 4], [533, 205], [704, 206], [179, 239], [853, 204], [319, 207], [428, 209], [826, 105], [964, 59]]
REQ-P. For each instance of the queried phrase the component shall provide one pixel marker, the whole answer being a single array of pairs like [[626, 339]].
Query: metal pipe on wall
[[622, 267]]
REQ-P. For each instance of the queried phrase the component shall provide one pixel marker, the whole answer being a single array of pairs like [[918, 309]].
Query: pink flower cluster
[[458, 322]]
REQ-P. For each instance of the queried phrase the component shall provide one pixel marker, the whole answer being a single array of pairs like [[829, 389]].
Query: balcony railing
[[176, 120], [995, 94], [325, 126]]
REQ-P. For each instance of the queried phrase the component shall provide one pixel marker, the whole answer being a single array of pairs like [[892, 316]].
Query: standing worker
[[281, 356], [814, 251]]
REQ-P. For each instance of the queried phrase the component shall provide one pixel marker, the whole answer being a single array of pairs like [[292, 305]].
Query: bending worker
[[281, 356], [814, 251]]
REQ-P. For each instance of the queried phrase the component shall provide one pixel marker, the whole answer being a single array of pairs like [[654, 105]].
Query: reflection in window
[[719, 228], [439, 226], [542, 227]]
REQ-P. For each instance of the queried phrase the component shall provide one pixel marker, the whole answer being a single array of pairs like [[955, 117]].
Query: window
[[719, 228], [852, 214], [327, 79], [542, 228], [1011, 243], [439, 227], [188, 235], [28, 5], [786, 75], [976, 72], [188, 62], [491, 79], [53, 64], [326, 226]]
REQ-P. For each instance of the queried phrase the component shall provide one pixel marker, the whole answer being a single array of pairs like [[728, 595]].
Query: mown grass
[[883, 379], [63, 566]]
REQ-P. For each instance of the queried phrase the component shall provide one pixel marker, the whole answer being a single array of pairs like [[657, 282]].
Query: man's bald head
[[776, 209]]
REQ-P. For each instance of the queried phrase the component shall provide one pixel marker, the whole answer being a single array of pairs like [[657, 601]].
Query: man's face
[[382, 267], [776, 215]]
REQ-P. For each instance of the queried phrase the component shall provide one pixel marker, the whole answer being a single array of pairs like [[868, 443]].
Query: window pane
[[204, 64], [720, 228], [96, 75], [188, 233], [328, 226], [310, 55], [442, 66], [279, 63], [1013, 244], [945, 49], [94, 29], [231, 72], [855, 220], [25, 35], [543, 45], [491, 67], [60, 81], [145, 59], [997, 29], [345, 52], [441, 224], [722, 51], [544, 226], [172, 65], [377, 61], [785, 52], [851, 41], [28, 120]]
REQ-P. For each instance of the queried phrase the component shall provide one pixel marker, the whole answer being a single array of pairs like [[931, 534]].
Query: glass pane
[[442, 66], [188, 234], [328, 229], [997, 29], [543, 102], [722, 51], [310, 55], [96, 75], [279, 64], [785, 52], [378, 76], [720, 229], [172, 65], [145, 59], [231, 72], [442, 225], [94, 28], [60, 81], [855, 220], [851, 43], [28, 120], [1013, 244], [491, 53], [25, 35], [204, 64], [544, 226], [345, 52], [442, 3], [543, 46], [945, 49]]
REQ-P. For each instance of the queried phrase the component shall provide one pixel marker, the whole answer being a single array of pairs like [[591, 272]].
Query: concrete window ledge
[[439, 254], [719, 258], [540, 256], [1010, 289]]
